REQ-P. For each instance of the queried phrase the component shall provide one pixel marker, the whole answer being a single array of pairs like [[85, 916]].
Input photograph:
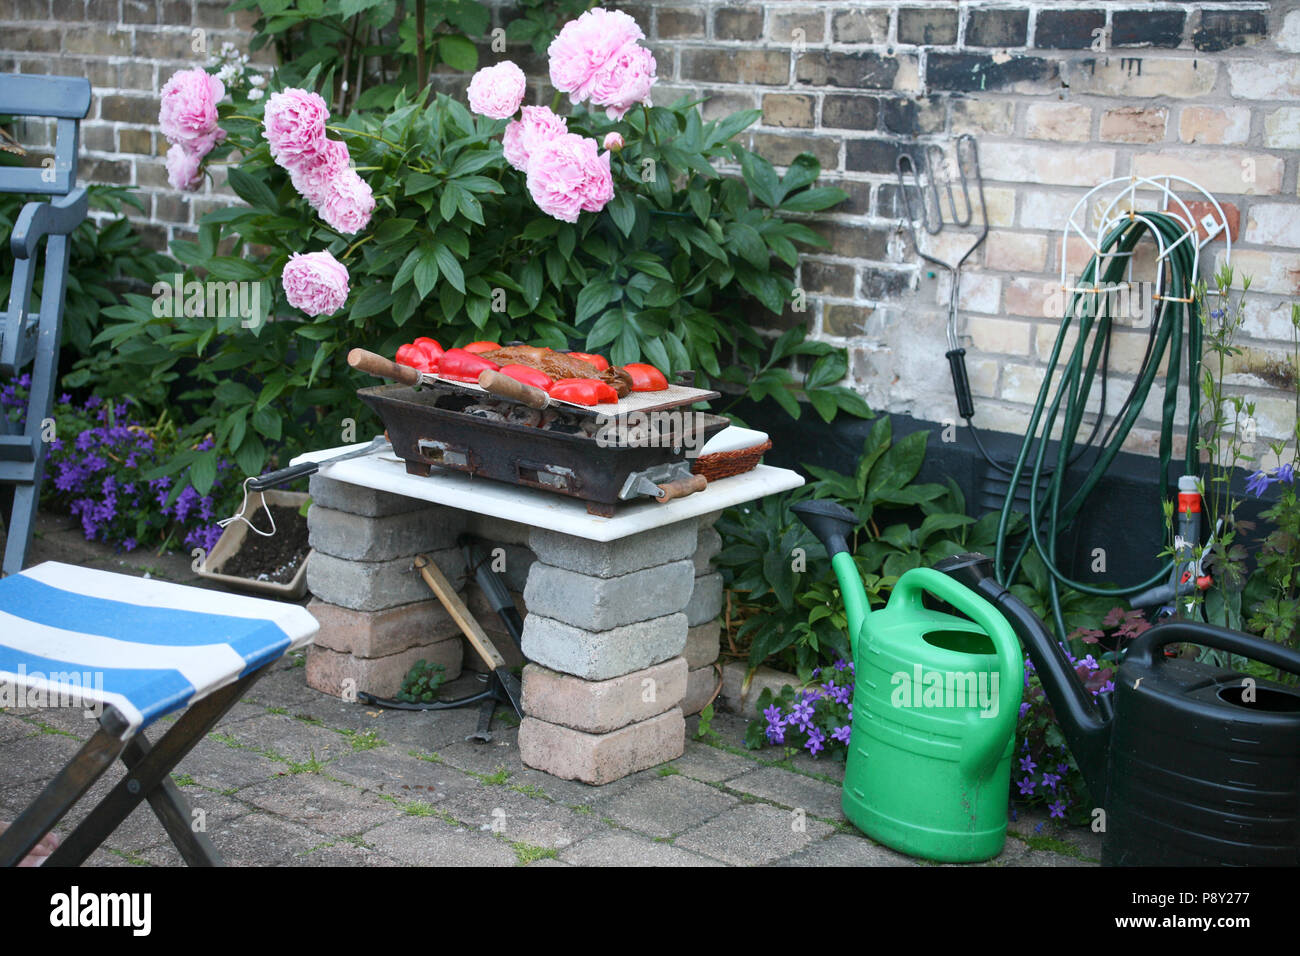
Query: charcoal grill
[[429, 428]]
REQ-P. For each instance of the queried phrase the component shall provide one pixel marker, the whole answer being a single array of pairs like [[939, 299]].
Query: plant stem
[[348, 251], [422, 77]]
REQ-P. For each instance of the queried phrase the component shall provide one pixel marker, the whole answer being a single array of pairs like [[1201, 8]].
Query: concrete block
[[361, 538], [742, 700], [358, 500], [599, 707], [381, 633], [608, 559], [601, 655], [700, 685], [602, 758], [376, 585], [598, 603], [497, 530], [710, 543], [708, 520], [706, 599], [342, 675], [703, 642]]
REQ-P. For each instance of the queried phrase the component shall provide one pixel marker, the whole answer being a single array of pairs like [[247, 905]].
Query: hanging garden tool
[[934, 711], [1187, 764]]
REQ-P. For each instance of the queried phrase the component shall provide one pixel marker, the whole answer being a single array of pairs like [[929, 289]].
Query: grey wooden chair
[[27, 338]]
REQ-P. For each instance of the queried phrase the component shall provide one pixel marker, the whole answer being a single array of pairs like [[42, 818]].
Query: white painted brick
[[1273, 224]]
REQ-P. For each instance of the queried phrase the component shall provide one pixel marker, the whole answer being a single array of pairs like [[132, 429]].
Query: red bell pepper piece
[[599, 361], [408, 354], [646, 378], [461, 366], [529, 376], [583, 391], [477, 347]]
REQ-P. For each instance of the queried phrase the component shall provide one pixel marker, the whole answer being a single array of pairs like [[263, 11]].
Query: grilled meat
[[558, 365]]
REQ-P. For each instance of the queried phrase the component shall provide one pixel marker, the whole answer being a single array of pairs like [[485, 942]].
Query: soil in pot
[[275, 559]]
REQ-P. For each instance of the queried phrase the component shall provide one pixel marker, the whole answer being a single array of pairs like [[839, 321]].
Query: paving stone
[[601, 706], [752, 835], [1047, 858], [295, 741], [217, 765], [710, 543], [706, 600], [573, 755], [700, 685], [356, 537], [342, 853], [599, 604], [342, 496], [710, 764], [843, 849], [742, 700], [703, 643], [39, 757], [256, 839], [601, 655], [518, 818], [614, 558], [375, 585], [667, 806], [791, 790], [380, 633], [618, 848], [326, 806], [397, 774], [428, 841], [344, 675], [11, 729]]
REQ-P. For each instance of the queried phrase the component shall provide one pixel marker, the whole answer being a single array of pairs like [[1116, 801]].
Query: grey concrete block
[[375, 585], [598, 604], [708, 520], [359, 500], [361, 538], [742, 700], [497, 530], [703, 642], [605, 654], [610, 558], [706, 600], [710, 543]]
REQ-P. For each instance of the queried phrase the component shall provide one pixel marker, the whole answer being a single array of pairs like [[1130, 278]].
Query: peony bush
[[637, 230]]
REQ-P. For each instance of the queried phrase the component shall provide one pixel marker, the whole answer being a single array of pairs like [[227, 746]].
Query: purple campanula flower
[[1258, 483], [1027, 786], [842, 734], [1024, 708], [1027, 763], [1051, 780], [816, 741], [1285, 473], [1057, 808]]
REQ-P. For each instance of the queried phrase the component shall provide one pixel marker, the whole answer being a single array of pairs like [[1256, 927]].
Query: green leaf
[[762, 178], [458, 53], [623, 211], [203, 472], [814, 200], [372, 300], [451, 269], [252, 190], [426, 269], [392, 229]]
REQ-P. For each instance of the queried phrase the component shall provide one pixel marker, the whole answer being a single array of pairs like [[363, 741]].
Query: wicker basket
[[725, 464]]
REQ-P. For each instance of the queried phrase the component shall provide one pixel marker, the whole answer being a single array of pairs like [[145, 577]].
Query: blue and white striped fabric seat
[[143, 647]]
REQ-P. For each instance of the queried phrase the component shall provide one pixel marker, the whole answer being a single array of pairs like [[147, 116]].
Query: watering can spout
[[1085, 724], [832, 524]]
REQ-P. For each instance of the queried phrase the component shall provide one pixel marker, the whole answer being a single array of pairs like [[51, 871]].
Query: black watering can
[[1190, 763]]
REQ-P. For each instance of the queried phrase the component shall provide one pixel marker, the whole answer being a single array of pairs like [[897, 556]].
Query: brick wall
[[127, 49], [1061, 95]]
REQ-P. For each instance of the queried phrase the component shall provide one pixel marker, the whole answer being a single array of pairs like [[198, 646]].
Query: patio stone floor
[[293, 777]]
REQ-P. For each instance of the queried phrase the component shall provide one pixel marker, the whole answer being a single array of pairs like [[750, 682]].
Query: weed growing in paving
[[526, 853]]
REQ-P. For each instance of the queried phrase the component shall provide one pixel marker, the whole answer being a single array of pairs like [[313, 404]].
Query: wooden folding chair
[[34, 339], [140, 649]]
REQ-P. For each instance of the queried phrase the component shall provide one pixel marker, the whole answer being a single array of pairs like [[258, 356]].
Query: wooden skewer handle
[[513, 389], [682, 487], [378, 365], [440, 586]]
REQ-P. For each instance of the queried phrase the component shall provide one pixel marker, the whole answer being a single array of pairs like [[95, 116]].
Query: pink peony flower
[[312, 180], [585, 45], [183, 168], [347, 203], [613, 141], [624, 81], [497, 91], [523, 136], [188, 113], [315, 282], [566, 176], [295, 126]]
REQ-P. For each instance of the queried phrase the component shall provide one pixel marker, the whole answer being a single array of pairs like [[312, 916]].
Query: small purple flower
[[1051, 780], [1024, 708], [1285, 473], [1258, 483], [816, 741], [842, 734], [1027, 786], [1057, 808], [1027, 763]]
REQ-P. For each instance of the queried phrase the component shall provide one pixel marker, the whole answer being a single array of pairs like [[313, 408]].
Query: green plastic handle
[[981, 756]]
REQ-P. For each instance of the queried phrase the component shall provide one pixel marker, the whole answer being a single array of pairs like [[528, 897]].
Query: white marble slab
[[384, 471]]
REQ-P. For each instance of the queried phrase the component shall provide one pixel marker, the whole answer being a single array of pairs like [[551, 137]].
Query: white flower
[[255, 94], [257, 80]]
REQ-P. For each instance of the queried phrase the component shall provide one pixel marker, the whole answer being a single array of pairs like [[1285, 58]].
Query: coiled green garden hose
[[1048, 515]]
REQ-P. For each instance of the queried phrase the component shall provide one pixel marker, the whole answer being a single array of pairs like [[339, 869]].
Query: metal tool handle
[[1144, 651], [682, 487], [513, 389], [283, 476], [374, 364]]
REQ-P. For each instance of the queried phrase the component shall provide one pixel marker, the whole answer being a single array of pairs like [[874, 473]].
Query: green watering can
[[934, 710]]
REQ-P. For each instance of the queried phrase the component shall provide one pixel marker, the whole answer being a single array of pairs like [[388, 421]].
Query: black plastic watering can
[[1190, 764]]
